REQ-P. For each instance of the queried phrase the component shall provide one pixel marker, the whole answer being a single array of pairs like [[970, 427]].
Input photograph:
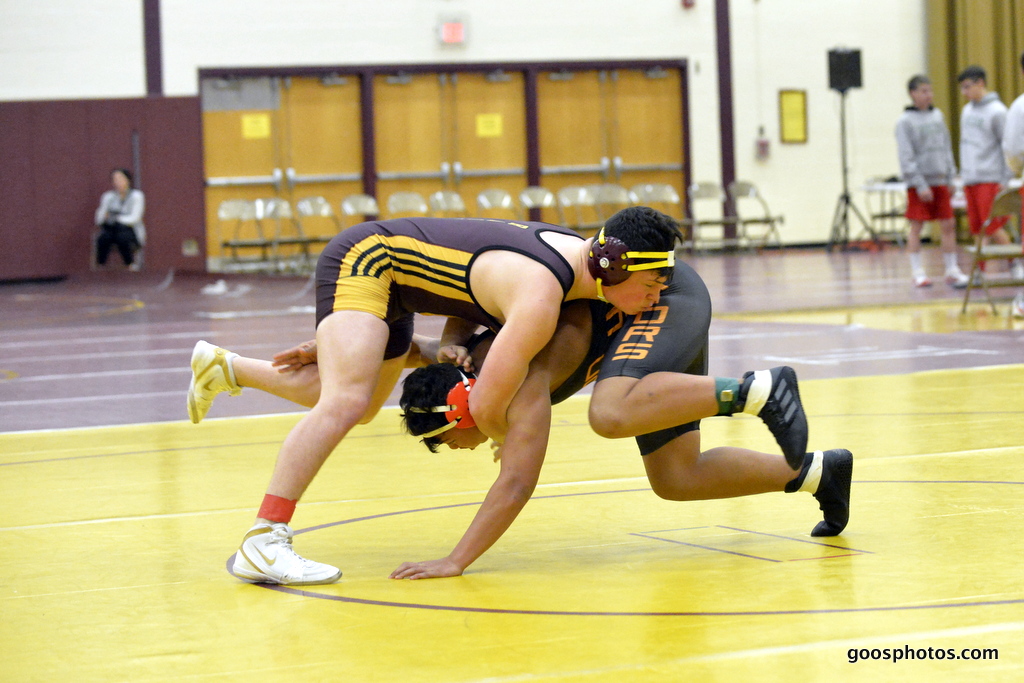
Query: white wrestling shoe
[[957, 279], [211, 374], [266, 556], [1017, 307]]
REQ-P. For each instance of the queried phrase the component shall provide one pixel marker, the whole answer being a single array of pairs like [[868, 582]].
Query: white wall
[[54, 49], [783, 44], [65, 49]]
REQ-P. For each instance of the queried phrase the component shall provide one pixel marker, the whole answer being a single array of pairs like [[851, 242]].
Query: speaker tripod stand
[[840, 235]]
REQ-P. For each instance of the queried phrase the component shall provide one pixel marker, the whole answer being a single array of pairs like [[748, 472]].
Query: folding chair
[[242, 213], [664, 198], [648, 194], [407, 204], [287, 230], [609, 198], [496, 201], [703, 194], [312, 210], [536, 197], [577, 209], [362, 205], [1007, 203], [447, 203], [744, 195]]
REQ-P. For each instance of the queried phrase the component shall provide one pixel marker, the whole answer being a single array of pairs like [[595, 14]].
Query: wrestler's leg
[[626, 406], [350, 347], [680, 471], [390, 371], [301, 386]]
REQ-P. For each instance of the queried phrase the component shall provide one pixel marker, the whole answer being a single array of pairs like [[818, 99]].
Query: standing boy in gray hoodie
[[1013, 134], [927, 167], [982, 164], [1013, 150]]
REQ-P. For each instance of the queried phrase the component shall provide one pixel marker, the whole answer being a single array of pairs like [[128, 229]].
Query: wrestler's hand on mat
[[434, 569], [296, 357], [456, 355]]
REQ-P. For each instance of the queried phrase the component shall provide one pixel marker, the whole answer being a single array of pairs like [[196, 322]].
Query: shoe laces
[[280, 533], [281, 536]]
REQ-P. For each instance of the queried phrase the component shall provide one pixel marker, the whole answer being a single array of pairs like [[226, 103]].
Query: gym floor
[[120, 517]]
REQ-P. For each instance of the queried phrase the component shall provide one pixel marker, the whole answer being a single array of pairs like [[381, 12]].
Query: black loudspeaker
[[843, 69]]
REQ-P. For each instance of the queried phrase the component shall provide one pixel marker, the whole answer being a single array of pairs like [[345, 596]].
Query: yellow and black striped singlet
[[421, 265]]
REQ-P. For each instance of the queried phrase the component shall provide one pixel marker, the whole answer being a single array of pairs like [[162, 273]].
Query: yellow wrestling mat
[[116, 542], [932, 316]]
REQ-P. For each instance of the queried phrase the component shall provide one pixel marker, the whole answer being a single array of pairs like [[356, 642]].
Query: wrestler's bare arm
[[521, 458], [527, 298], [523, 451], [424, 351]]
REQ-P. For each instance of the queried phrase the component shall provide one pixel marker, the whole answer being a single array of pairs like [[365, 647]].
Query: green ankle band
[[727, 390]]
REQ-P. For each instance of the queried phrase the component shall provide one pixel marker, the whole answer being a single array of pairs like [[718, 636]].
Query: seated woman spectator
[[120, 217]]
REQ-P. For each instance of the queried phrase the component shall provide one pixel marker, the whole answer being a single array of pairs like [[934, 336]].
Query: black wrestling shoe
[[773, 396], [834, 492]]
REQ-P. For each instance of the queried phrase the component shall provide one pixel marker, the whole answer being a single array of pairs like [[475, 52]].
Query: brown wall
[[55, 162]]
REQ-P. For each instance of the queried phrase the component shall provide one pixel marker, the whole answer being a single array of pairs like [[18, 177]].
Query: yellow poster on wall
[[255, 126], [489, 125], [793, 115]]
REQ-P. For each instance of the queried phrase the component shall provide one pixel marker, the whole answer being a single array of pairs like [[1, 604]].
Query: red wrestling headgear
[[456, 411]]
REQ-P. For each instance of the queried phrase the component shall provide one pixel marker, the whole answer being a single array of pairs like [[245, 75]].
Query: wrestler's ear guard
[[611, 262], [456, 410], [458, 404]]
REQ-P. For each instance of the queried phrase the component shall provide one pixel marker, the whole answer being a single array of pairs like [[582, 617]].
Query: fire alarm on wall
[[451, 31], [688, 4]]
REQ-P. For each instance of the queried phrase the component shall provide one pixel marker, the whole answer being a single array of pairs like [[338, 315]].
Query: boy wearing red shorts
[[927, 166], [982, 164]]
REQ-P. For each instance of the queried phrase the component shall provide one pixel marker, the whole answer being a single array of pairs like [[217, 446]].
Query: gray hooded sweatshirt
[[1013, 137], [981, 141], [924, 148]]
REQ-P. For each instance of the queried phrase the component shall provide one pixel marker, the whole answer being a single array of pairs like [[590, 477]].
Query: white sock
[[813, 478], [915, 264], [951, 264], [230, 357], [760, 390]]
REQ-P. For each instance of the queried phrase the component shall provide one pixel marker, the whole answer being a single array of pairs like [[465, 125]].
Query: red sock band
[[277, 509]]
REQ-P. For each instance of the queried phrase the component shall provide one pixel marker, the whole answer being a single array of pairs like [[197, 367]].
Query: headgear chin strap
[[456, 410], [613, 262]]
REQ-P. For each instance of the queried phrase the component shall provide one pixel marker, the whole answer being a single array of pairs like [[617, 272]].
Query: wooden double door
[[622, 126], [301, 138], [454, 131]]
